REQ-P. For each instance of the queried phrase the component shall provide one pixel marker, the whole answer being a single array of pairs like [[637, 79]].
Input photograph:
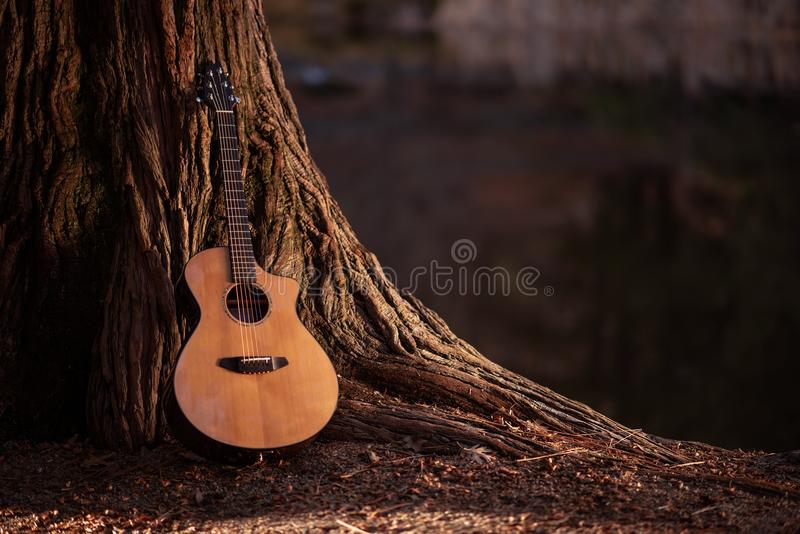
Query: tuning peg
[[219, 70], [238, 99], [198, 99]]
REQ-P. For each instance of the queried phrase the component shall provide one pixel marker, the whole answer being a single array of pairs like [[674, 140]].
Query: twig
[[581, 435], [379, 464], [551, 455], [351, 527], [623, 438], [706, 509], [687, 464]]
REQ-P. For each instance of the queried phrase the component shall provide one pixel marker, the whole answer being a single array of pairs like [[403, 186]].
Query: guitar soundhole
[[247, 303]]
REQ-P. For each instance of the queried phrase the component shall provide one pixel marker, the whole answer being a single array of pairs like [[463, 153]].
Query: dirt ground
[[356, 487]]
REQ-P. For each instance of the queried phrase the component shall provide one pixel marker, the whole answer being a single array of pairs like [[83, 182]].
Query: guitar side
[[230, 415]]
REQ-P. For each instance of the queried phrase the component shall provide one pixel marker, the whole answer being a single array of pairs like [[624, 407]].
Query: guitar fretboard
[[240, 241]]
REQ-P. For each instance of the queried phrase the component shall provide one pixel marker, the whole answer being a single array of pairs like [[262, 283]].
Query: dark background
[[643, 155]]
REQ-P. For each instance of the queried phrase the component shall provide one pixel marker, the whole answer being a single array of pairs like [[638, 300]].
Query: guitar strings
[[241, 231], [249, 295], [245, 264], [229, 203]]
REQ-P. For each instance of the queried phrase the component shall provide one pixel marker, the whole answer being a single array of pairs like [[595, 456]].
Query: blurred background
[[643, 155]]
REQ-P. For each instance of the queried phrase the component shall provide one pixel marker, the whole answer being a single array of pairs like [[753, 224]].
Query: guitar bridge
[[252, 365]]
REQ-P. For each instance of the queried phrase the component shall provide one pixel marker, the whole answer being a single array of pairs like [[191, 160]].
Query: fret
[[240, 241]]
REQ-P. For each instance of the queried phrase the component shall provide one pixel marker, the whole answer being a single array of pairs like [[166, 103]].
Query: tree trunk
[[109, 184]]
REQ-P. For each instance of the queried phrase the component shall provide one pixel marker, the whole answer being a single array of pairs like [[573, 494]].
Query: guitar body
[[250, 378]]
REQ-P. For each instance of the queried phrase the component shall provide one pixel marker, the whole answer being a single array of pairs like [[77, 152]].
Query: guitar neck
[[240, 241]]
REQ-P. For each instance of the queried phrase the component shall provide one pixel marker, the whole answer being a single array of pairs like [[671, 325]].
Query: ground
[[355, 487]]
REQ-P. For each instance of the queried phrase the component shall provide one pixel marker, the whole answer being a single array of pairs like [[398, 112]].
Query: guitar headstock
[[215, 89]]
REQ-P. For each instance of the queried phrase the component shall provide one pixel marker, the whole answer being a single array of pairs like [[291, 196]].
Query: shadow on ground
[[335, 486]]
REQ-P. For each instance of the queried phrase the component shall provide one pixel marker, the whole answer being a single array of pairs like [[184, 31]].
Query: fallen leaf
[[477, 454]]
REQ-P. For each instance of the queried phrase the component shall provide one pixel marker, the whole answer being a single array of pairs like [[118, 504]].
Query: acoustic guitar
[[249, 377]]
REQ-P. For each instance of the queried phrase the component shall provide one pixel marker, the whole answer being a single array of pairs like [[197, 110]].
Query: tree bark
[[109, 184]]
